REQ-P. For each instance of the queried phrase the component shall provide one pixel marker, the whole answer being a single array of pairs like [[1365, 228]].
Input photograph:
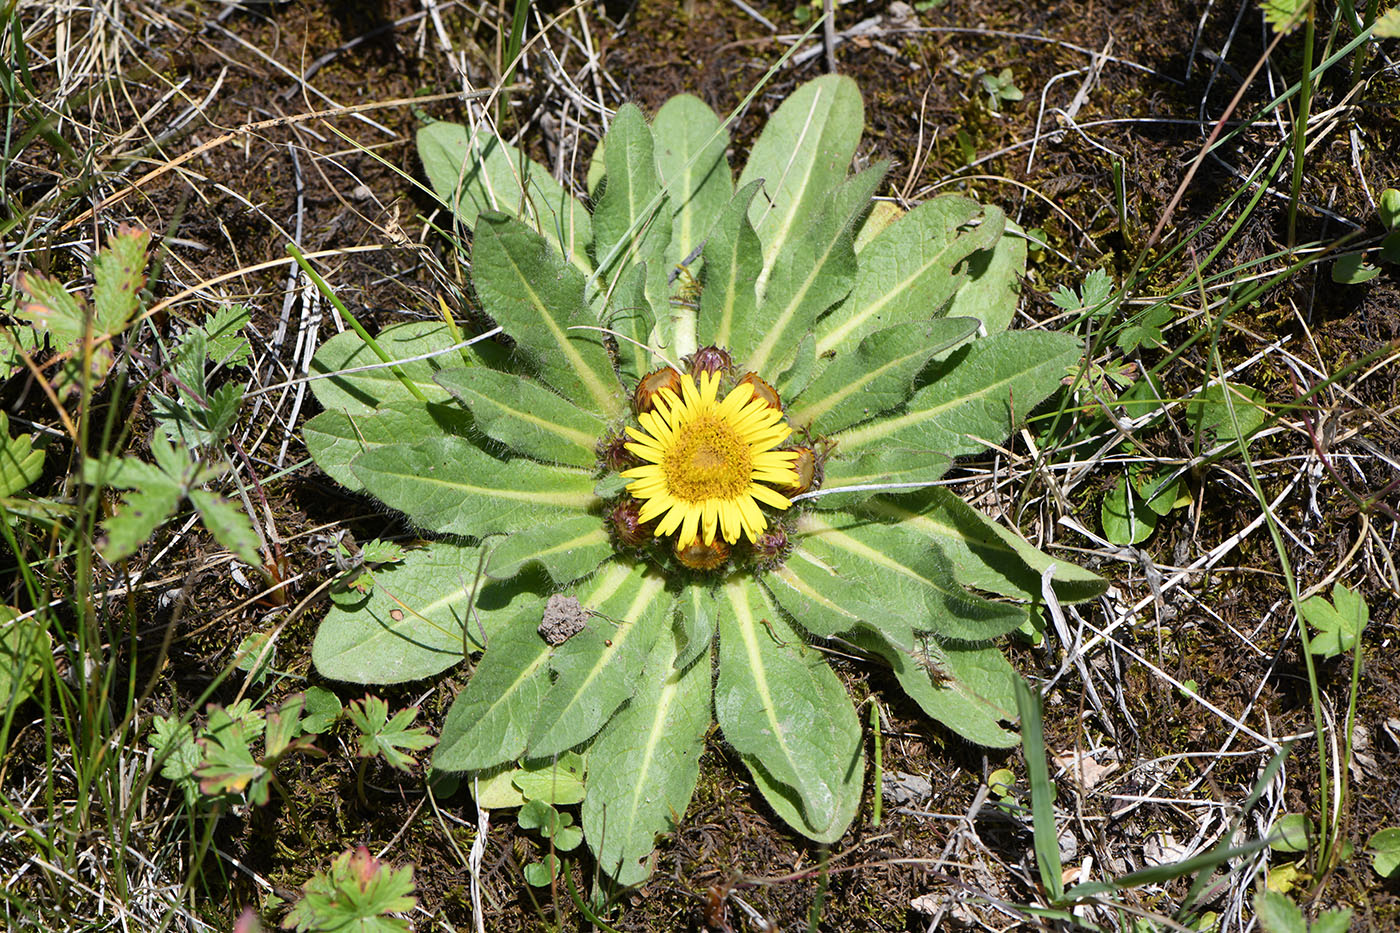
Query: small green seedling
[[1290, 833], [192, 413], [1208, 413], [1092, 298], [62, 320], [391, 739], [155, 492], [21, 463], [256, 656], [1137, 500], [358, 894], [555, 826], [360, 564], [24, 647], [1338, 624], [321, 711], [1001, 89]]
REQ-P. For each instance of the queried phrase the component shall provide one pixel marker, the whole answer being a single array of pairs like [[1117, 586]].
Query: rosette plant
[[704, 453]]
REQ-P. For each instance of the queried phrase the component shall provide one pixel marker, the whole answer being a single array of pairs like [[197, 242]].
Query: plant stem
[[1300, 124], [879, 765]]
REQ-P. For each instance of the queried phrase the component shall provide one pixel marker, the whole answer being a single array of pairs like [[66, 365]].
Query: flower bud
[[762, 390], [805, 466], [771, 547], [644, 399], [701, 556], [710, 360], [625, 520], [613, 454]]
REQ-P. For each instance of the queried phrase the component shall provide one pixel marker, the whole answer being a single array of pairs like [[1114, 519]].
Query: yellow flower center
[[709, 461]]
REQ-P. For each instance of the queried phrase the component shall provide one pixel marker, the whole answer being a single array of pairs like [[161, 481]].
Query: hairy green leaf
[[981, 553], [978, 397], [596, 670], [886, 577], [356, 895], [480, 173], [911, 270], [416, 622], [390, 739], [335, 438], [629, 222], [539, 299], [801, 157], [228, 524], [993, 290], [119, 274], [451, 486], [877, 375], [815, 271], [567, 549], [733, 261], [361, 393], [525, 416], [492, 718], [630, 314], [652, 753], [971, 690], [690, 147], [785, 712], [137, 517]]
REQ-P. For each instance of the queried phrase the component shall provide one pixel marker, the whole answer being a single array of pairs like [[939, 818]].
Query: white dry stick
[[478, 852]]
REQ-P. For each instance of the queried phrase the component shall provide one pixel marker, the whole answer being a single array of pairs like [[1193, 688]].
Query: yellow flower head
[[707, 462]]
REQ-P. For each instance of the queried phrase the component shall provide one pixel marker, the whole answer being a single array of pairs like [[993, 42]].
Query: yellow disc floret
[[708, 461]]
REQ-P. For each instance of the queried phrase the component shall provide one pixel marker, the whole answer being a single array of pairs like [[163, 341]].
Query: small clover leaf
[[355, 895], [388, 738], [540, 874], [552, 824]]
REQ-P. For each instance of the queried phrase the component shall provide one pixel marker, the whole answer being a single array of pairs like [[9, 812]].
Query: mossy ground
[[1228, 629]]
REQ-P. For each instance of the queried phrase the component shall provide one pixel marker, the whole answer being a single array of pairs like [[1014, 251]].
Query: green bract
[[869, 330]]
